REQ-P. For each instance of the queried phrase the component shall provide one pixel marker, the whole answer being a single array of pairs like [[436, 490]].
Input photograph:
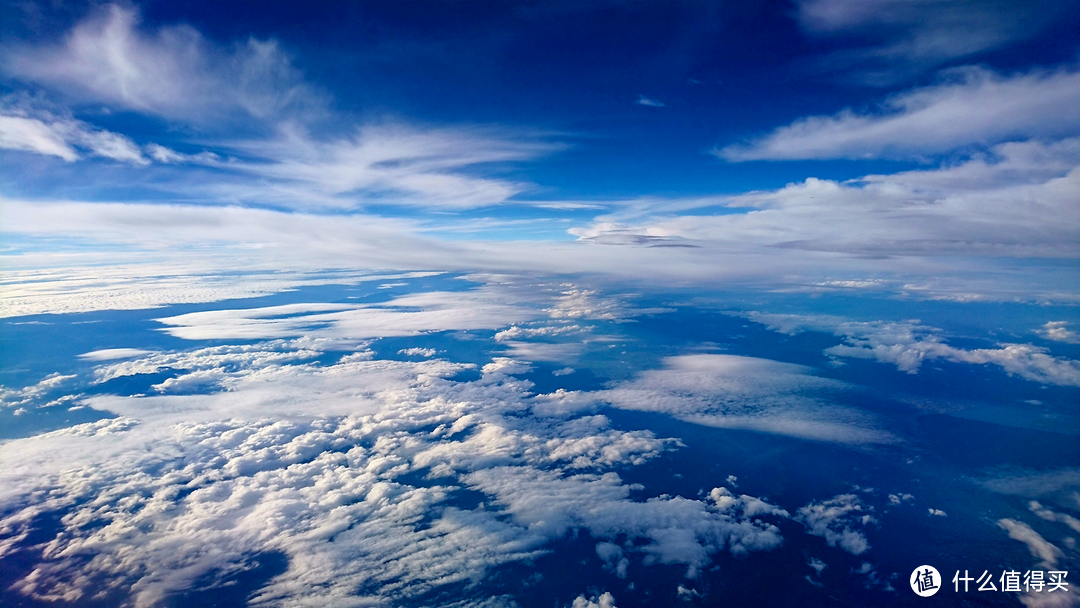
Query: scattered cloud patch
[[649, 102], [836, 520], [1047, 553], [1059, 331], [907, 344], [728, 391]]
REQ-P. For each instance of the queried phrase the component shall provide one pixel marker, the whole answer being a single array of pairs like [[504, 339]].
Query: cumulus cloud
[[907, 344], [728, 391], [836, 520], [319, 461], [971, 106], [606, 600], [1059, 331]]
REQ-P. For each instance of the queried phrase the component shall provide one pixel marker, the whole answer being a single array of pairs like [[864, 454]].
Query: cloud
[[1050, 515], [1059, 331], [971, 106], [173, 72], [483, 308], [908, 344], [892, 40], [833, 520], [1039, 547], [1018, 200], [383, 164], [18, 133], [325, 462], [733, 392], [606, 600], [649, 102], [937, 512], [62, 137], [114, 353]]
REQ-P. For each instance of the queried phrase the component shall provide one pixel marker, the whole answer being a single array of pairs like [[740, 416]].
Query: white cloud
[[1050, 515], [30, 134], [418, 352], [308, 459], [835, 520], [174, 72], [1059, 331], [482, 308], [728, 391], [1047, 553], [606, 600], [119, 286], [379, 164], [972, 106], [937, 512], [53, 136], [649, 102], [886, 41], [114, 353], [907, 344]]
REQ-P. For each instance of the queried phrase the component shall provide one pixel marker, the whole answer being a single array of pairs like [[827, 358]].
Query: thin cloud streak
[[972, 106]]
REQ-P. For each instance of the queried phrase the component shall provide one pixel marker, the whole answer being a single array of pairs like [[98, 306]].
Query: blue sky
[[819, 140], [522, 303]]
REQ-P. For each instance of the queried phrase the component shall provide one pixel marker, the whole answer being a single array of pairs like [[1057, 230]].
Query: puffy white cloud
[[835, 520], [310, 460], [728, 391], [1059, 331], [907, 344], [606, 600], [972, 106]]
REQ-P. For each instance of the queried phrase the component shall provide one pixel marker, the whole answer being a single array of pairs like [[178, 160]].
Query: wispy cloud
[[649, 102], [887, 41], [727, 391], [64, 137], [173, 72], [971, 106], [908, 344]]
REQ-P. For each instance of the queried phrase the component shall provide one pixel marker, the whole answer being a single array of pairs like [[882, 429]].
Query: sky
[[924, 143], [514, 304]]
